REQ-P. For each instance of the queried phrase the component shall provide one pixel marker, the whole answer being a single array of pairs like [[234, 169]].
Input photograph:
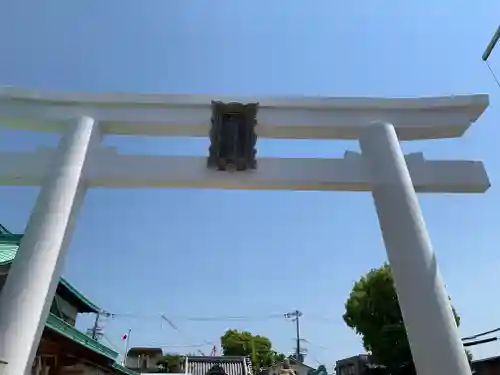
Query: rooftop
[[9, 244], [486, 360], [228, 365], [285, 117], [140, 350], [62, 328]]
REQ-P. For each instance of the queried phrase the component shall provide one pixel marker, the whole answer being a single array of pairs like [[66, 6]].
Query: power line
[[479, 342], [113, 345], [493, 73], [163, 345], [123, 315], [96, 330], [318, 345], [480, 334], [295, 316], [174, 327], [198, 318]]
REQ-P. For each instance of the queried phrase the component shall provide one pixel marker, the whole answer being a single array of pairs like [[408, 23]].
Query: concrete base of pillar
[[3, 365]]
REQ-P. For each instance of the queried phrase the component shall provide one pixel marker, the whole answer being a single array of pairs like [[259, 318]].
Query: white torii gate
[[79, 163]]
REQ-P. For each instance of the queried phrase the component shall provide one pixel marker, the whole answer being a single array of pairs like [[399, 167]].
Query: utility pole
[[297, 333], [491, 44], [95, 329], [295, 316]]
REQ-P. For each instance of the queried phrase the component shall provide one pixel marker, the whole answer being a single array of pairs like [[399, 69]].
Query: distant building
[[143, 360], [486, 366], [357, 365], [299, 368], [217, 365], [362, 365]]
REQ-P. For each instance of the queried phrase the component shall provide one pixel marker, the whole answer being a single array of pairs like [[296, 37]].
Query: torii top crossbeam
[[294, 118], [189, 115]]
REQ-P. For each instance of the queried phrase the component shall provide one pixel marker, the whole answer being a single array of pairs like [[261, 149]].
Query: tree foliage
[[258, 348], [170, 363], [373, 311]]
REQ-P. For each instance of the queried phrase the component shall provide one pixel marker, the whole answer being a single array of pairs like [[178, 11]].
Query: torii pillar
[[430, 324], [27, 295]]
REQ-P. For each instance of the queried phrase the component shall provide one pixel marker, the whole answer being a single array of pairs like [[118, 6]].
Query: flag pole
[[126, 347]]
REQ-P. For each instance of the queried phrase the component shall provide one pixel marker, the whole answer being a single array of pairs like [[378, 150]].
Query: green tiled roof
[[7, 252], [9, 243], [124, 370], [4, 230], [60, 326], [87, 305]]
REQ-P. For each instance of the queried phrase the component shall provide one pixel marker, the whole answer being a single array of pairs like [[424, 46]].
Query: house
[[299, 368], [356, 365], [143, 360], [486, 366], [217, 365], [63, 349]]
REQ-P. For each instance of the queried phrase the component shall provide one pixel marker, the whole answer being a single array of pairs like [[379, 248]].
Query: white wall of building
[[299, 368]]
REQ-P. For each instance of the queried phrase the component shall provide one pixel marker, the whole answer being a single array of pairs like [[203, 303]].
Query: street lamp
[[491, 44]]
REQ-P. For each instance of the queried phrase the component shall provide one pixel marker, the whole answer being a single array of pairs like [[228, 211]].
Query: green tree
[[277, 357], [170, 363], [258, 348], [373, 311]]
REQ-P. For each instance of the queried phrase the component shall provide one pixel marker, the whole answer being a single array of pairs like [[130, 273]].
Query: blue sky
[[191, 253]]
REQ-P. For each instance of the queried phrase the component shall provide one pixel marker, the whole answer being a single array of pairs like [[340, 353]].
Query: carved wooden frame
[[249, 112]]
